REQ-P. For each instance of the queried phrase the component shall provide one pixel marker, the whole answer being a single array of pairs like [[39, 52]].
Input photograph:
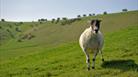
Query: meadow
[[54, 50]]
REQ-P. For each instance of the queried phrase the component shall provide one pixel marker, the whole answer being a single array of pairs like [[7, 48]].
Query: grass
[[67, 60], [51, 54]]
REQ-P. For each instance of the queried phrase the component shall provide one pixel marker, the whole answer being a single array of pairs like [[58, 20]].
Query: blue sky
[[29, 10]]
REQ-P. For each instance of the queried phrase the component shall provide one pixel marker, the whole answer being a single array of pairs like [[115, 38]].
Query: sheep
[[92, 39]]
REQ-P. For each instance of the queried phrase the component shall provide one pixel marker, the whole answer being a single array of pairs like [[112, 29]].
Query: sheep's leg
[[93, 60], [101, 55], [87, 59]]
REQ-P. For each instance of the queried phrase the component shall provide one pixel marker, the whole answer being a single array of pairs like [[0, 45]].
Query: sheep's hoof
[[93, 67], [88, 68], [103, 60]]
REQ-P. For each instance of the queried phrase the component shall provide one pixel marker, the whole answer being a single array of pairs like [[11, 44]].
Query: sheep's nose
[[96, 30]]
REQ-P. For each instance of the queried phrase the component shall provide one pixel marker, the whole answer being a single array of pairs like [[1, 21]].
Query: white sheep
[[92, 39]]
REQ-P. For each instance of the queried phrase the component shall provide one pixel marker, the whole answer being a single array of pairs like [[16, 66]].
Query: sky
[[31, 10]]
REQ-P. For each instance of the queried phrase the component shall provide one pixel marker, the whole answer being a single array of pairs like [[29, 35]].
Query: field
[[54, 51]]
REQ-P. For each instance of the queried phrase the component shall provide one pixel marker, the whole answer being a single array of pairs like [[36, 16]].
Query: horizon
[[26, 10], [68, 17]]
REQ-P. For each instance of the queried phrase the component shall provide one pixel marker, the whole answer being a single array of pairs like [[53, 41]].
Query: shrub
[[11, 34], [20, 22], [17, 29], [8, 30], [10, 26], [79, 16], [3, 20], [93, 14], [90, 14], [84, 15], [105, 13], [53, 20], [58, 19], [124, 10], [19, 40], [42, 20], [64, 18], [69, 21], [0, 27]]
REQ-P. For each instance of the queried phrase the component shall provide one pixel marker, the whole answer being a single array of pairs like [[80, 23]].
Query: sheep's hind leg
[[87, 59], [101, 55]]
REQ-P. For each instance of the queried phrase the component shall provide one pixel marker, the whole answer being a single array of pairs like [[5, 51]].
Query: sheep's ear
[[92, 21]]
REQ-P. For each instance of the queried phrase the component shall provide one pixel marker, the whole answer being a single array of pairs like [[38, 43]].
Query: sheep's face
[[95, 25]]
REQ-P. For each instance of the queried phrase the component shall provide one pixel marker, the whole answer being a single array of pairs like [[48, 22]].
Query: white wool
[[91, 40]]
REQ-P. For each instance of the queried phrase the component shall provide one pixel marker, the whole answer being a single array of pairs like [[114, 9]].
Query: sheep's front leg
[[93, 60], [87, 59]]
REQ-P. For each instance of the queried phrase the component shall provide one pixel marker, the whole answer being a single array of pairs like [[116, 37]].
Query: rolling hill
[[54, 50]]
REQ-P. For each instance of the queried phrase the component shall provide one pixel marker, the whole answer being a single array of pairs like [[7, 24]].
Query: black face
[[96, 23]]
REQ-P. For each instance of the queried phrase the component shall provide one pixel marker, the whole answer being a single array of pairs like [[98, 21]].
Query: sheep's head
[[95, 25]]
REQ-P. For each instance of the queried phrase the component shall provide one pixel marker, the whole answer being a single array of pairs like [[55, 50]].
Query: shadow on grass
[[124, 65]]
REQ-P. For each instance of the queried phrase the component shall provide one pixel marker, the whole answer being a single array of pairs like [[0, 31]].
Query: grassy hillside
[[12, 30], [67, 60], [55, 52], [49, 33]]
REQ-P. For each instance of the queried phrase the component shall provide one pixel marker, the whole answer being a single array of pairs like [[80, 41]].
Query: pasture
[[55, 51]]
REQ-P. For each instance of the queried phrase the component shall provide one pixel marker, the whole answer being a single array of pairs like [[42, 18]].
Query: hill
[[54, 51], [70, 32]]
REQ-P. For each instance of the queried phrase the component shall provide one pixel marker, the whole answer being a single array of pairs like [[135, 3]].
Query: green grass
[[67, 60], [55, 51]]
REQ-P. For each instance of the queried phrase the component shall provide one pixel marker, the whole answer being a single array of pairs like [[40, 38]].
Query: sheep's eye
[[97, 25]]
